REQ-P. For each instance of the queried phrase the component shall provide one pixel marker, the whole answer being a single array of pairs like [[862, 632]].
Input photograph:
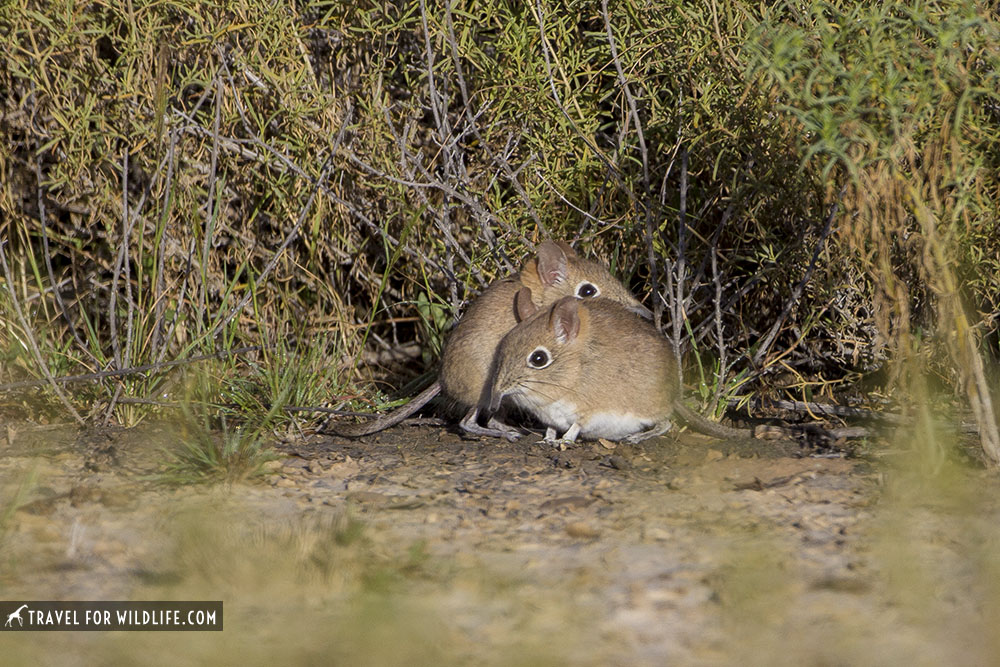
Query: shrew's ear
[[524, 307], [566, 248], [565, 319], [552, 263]]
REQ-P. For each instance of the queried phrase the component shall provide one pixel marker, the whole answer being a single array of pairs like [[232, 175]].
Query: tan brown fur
[[466, 363], [555, 273], [611, 374]]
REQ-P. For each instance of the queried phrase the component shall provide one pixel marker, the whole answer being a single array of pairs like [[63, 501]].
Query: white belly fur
[[558, 414], [613, 426], [563, 414]]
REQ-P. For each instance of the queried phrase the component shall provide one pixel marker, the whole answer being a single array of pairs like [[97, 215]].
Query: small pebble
[[581, 530]]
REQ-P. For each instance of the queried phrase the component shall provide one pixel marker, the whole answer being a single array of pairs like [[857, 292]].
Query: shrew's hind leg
[[493, 429], [658, 428]]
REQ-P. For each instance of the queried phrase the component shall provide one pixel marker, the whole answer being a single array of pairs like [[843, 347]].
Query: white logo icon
[[17, 615]]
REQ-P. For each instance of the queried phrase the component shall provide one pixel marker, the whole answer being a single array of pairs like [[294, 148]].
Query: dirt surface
[[420, 547]]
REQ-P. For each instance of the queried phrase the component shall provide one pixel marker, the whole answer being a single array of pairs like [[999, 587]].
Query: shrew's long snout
[[490, 403]]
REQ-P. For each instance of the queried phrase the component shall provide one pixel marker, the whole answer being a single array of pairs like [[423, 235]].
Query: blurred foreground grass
[[319, 588], [922, 587], [914, 580]]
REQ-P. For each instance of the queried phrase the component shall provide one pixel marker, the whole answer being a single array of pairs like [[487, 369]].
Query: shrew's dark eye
[[539, 358], [587, 290]]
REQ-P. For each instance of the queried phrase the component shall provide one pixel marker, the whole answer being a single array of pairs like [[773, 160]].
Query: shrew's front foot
[[568, 438]]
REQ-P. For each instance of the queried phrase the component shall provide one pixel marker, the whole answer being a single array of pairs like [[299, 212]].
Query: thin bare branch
[[613, 170], [772, 334], [499, 160], [646, 210], [303, 214], [35, 352], [47, 252], [123, 372]]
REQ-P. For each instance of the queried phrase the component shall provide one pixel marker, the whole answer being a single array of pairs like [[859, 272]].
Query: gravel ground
[[419, 547]]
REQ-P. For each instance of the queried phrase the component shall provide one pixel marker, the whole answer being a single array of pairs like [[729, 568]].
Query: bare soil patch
[[417, 546]]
